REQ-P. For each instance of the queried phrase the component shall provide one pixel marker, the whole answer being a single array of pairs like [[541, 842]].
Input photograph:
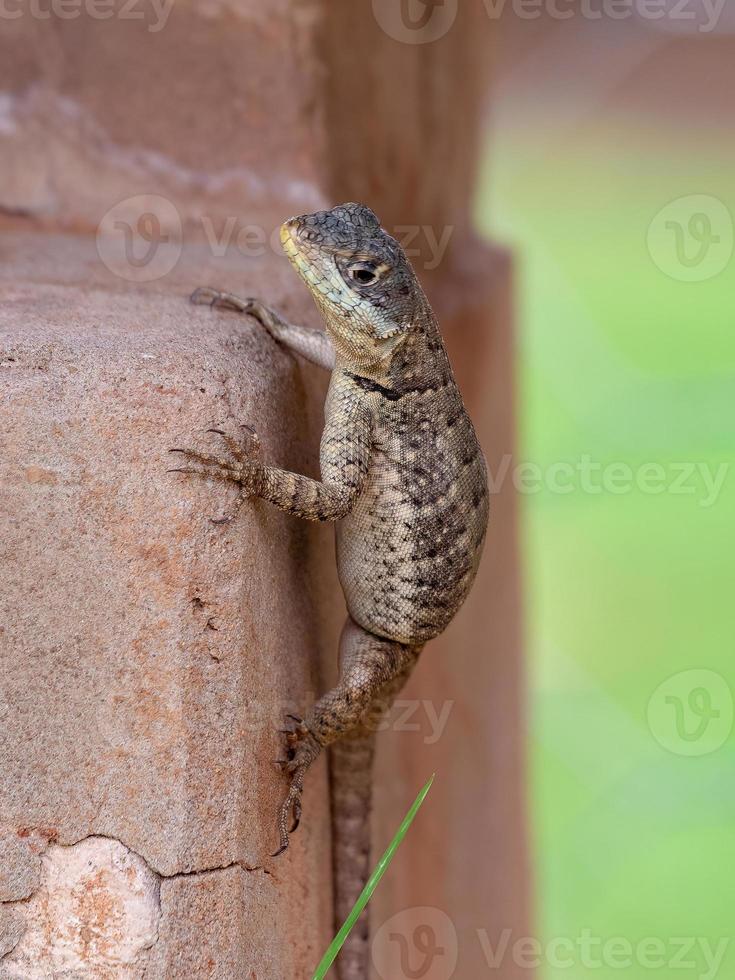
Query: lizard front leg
[[345, 458], [313, 345]]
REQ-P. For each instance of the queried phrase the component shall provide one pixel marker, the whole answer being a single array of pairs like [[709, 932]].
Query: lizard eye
[[364, 273]]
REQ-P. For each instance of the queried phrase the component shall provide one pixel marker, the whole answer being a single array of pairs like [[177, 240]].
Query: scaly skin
[[404, 477]]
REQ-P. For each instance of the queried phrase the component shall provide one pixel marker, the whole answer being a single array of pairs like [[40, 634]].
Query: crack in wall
[[213, 870], [97, 905], [97, 902]]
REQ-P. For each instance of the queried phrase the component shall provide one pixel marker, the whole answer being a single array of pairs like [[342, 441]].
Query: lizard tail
[[351, 776]]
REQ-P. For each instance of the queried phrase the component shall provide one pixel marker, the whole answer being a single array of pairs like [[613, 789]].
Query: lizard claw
[[229, 518], [242, 467], [204, 296], [296, 814], [301, 750], [292, 808]]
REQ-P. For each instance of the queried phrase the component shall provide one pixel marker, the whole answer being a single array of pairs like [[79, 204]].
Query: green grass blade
[[336, 945]]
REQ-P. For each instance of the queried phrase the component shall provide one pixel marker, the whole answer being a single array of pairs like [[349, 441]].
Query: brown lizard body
[[404, 477]]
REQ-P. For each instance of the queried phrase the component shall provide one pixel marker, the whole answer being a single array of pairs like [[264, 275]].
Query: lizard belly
[[409, 550]]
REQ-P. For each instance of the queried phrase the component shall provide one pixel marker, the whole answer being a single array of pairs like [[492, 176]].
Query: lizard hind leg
[[351, 776], [369, 666]]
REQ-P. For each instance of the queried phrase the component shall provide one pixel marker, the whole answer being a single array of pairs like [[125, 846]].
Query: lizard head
[[360, 279]]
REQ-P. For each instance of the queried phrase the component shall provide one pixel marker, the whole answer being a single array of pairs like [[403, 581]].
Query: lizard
[[404, 479]]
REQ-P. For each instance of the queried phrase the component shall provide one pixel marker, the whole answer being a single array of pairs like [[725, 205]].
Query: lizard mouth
[[289, 231], [290, 244]]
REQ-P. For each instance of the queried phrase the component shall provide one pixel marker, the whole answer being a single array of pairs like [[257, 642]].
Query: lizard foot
[[301, 750], [217, 299], [206, 296], [243, 467]]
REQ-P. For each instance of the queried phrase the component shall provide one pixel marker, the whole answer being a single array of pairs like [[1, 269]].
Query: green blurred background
[[610, 174]]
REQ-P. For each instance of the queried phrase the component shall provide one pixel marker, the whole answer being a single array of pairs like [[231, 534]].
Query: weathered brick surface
[[215, 109], [146, 654]]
